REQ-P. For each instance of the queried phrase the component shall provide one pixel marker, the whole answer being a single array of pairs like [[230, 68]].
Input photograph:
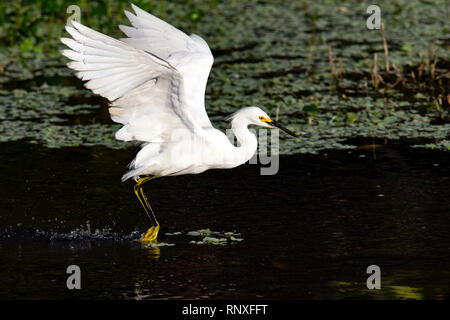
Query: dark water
[[310, 231]]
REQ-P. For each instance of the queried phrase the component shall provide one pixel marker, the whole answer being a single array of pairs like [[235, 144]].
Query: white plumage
[[156, 80]]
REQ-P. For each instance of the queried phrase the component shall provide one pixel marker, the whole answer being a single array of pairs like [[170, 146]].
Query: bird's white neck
[[247, 142]]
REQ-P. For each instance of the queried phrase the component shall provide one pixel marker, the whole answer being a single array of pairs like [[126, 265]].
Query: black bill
[[279, 126]]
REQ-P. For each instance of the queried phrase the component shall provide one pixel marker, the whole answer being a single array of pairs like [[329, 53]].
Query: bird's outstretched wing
[[155, 79]]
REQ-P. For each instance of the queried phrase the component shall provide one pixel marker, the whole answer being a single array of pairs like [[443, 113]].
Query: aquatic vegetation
[[214, 237], [211, 237], [443, 145], [311, 64], [159, 244]]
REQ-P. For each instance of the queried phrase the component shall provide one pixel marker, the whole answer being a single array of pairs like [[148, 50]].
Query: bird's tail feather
[[131, 174], [145, 158]]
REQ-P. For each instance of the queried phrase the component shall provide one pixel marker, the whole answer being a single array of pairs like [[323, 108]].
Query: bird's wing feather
[[190, 55], [148, 93]]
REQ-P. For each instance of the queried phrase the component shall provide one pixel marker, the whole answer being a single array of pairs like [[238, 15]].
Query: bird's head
[[256, 116]]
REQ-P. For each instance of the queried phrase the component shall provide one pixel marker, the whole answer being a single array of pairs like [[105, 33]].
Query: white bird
[[155, 80]]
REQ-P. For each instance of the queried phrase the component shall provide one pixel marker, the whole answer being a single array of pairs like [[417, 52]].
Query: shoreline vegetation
[[312, 64]]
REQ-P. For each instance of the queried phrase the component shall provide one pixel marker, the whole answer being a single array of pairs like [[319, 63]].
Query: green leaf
[[351, 117], [311, 108]]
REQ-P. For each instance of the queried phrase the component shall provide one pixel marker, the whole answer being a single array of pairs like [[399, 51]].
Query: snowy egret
[[155, 80]]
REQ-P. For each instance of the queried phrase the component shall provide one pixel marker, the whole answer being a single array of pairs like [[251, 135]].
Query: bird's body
[[187, 153], [155, 80]]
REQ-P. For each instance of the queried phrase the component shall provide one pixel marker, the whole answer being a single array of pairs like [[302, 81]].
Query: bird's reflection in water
[[153, 252], [143, 288]]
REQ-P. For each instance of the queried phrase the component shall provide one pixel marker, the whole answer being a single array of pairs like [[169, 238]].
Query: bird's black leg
[[152, 233]]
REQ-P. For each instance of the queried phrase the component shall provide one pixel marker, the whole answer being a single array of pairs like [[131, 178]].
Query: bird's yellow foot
[[151, 235]]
